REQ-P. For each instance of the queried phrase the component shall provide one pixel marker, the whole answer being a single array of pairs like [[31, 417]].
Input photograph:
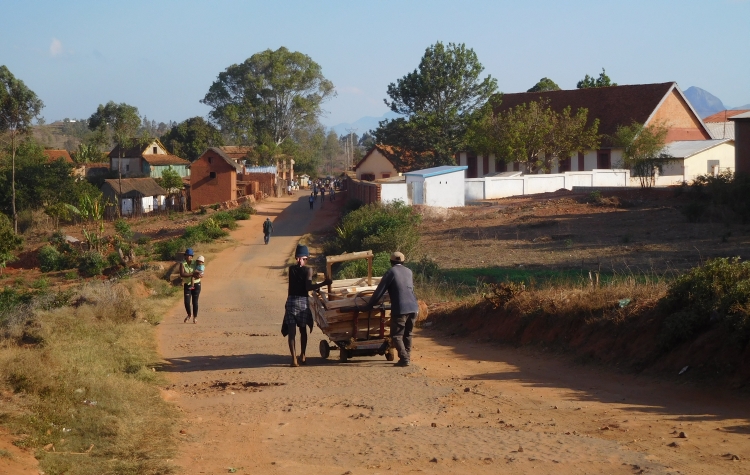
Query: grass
[[95, 396], [5, 454]]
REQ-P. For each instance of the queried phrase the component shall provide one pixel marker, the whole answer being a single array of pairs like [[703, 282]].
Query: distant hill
[[704, 102], [363, 124], [746, 106]]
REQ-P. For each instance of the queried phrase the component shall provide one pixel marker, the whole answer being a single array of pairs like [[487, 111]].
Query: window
[[386, 175], [209, 160], [471, 162], [155, 150], [564, 165], [713, 167], [486, 165], [603, 160], [212, 175], [581, 165], [127, 168]]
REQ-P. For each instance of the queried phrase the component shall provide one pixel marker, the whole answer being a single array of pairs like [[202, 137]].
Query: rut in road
[[463, 407]]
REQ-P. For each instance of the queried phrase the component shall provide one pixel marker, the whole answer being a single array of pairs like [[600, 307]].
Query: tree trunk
[[13, 180]]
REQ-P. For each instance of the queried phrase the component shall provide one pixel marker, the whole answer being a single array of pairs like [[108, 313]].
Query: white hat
[[200, 259]]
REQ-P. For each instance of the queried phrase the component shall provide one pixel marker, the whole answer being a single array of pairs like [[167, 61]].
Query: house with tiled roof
[[148, 159], [213, 178], [720, 126], [383, 161], [238, 153], [138, 196], [55, 154], [662, 103]]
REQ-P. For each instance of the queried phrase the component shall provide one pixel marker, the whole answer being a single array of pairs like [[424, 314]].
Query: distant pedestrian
[[332, 194], [315, 192], [191, 283], [311, 200], [399, 284], [267, 230]]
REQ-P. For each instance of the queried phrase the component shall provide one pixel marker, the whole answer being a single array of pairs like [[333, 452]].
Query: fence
[[489, 188], [365, 191]]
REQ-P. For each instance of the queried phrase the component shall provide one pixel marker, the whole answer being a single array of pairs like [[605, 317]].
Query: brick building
[[213, 178]]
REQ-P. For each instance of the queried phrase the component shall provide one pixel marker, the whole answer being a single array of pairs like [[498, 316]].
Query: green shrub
[[168, 250], [424, 270], [113, 259], [352, 204], [222, 219], [123, 229], [380, 265], [42, 283], [91, 263], [378, 227], [143, 240], [49, 258], [717, 292]]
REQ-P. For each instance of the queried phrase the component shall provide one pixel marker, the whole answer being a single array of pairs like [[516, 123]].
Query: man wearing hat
[[297, 314], [399, 284]]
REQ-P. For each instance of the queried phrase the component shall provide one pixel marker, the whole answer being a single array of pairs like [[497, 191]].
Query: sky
[[162, 56]]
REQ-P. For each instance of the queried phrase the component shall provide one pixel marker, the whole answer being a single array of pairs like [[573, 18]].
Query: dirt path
[[463, 407]]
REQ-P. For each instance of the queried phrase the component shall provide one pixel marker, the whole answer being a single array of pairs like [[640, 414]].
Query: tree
[[87, 153], [269, 96], [191, 137], [544, 84], [533, 134], [10, 242], [438, 101], [120, 122], [643, 150], [171, 181], [602, 81], [331, 151], [18, 107]]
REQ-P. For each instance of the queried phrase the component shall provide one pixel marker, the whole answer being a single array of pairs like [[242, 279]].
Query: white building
[[439, 186]]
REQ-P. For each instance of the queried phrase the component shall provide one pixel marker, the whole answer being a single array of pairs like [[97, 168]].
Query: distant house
[[614, 106], [438, 186], [138, 196], [238, 153], [742, 138], [720, 126], [213, 178], [379, 163], [146, 160], [56, 154], [698, 157]]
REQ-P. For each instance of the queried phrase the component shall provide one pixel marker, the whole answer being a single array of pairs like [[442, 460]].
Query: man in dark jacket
[[399, 284]]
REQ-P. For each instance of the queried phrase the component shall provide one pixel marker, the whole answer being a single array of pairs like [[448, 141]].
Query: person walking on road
[[191, 284], [267, 230], [399, 284], [332, 193], [311, 200], [297, 314]]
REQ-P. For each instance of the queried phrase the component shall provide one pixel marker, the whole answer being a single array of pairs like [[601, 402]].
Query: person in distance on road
[[297, 314], [399, 284], [267, 230], [191, 283]]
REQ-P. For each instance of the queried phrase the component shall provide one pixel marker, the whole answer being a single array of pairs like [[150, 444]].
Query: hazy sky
[[162, 56]]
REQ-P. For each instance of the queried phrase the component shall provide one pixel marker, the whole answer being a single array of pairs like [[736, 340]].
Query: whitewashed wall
[[501, 187], [446, 191], [393, 192]]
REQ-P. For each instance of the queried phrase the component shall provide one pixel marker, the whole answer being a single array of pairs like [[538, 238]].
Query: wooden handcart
[[341, 314]]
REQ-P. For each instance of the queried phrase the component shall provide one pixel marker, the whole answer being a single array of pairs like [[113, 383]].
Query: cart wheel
[[325, 350], [343, 355], [390, 355]]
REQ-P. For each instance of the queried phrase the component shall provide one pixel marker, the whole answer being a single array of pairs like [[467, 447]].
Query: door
[[414, 192], [471, 162]]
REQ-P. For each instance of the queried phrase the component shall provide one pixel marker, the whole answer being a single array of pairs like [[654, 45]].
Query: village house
[[742, 147], [720, 126], [377, 163], [238, 153], [55, 154], [147, 160], [138, 196], [213, 178], [616, 106]]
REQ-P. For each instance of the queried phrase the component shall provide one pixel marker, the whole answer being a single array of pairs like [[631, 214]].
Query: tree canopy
[[191, 137], [171, 180], [438, 101], [533, 134], [19, 106], [602, 81], [544, 84], [269, 96], [643, 150], [117, 122]]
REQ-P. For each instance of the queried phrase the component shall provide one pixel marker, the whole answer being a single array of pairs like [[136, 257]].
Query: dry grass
[[88, 398]]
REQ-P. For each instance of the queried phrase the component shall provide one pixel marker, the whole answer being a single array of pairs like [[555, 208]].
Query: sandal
[[186, 319]]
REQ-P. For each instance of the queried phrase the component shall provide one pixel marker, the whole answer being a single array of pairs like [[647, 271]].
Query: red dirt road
[[463, 407]]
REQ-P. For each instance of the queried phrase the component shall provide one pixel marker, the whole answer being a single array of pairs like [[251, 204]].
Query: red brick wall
[[365, 191], [207, 191], [262, 182]]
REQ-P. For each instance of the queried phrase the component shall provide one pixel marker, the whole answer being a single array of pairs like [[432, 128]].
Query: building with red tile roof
[[149, 159]]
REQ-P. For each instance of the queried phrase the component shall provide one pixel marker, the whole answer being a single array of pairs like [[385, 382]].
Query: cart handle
[[352, 256]]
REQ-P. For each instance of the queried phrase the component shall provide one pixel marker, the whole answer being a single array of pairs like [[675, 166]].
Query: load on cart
[[342, 314]]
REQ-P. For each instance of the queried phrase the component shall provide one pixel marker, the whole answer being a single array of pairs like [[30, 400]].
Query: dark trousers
[[191, 296], [311, 204], [401, 328]]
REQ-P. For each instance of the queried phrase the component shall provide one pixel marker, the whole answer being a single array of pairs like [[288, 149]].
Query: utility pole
[[350, 155]]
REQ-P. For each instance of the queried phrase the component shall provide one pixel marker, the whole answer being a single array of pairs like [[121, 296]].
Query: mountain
[[364, 124], [746, 106], [703, 101]]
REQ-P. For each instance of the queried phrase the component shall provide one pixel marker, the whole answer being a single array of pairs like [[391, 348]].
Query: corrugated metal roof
[[746, 115], [434, 171], [688, 148], [268, 169], [721, 130]]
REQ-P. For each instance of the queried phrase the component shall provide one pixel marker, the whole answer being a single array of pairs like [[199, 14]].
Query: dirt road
[[463, 407]]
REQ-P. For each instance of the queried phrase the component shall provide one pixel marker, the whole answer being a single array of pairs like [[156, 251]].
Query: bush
[[424, 270], [222, 219], [207, 231], [380, 265], [123, 229], [91, 263], [352, 204], [717, 292], [693, 211], [49, 258], [380, 227]]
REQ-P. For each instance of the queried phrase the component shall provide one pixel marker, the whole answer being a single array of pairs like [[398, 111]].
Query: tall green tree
[[533, 134], [602, 81], [331, 151], [120, 122], [438, 101], [191, 137], [10, 242], [643, 150], [269, 96], [544, 84], [19, 105]]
